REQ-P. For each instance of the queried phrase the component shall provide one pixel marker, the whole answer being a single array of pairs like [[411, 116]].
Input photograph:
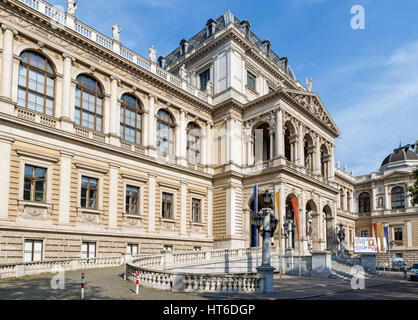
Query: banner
[[278, 216], [382, 246], [386, 230], [255, 214], [296, 215], [375, 233], [364, 245]]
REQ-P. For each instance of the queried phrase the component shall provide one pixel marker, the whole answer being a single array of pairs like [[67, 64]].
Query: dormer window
[[210, 28], [161, 62], [266, 47], [184, 46], [245, 27]]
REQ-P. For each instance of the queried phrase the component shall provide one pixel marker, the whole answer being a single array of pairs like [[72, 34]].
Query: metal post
[[137, 282], [82, 286]]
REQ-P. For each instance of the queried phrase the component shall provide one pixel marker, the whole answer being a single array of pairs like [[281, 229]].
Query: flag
[[255, 214], [375, 236], [382, 245], [386, 230], [278, 216], [296, 214]]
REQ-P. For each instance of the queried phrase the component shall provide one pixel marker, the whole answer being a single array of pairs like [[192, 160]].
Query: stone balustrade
[[32, 268]]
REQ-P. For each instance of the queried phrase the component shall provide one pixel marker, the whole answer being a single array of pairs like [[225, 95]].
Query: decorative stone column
[[332, 165], [151, 203], [301, 151], [7, 66], [114, 113], [387, 198], [65, 188], [182, 137], [151, 127], [271, 133], [279, 134], [183, 208], [5, 151], [208, 141], [66, 121], [210, 212], [113, 196], [228, 140]]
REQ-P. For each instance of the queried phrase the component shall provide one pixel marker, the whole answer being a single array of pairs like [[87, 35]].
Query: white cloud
[[387, 112]]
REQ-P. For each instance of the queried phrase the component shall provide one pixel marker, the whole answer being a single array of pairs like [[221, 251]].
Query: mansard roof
[[200, 37]]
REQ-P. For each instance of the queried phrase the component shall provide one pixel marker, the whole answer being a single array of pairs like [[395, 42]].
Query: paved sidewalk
[[101, 284], [108, 284]]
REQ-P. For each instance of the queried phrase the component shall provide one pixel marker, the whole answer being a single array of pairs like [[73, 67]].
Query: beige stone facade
[[228, 84]]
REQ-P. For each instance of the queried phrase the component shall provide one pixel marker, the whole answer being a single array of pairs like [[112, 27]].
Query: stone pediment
[[311, 103]]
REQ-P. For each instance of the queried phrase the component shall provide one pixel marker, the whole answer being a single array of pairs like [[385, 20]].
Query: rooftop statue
[[183, 72], [309, 83], [152, 54], [116, 32], [71, 6]]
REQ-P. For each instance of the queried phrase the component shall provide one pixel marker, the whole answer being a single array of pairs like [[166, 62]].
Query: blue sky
[[367, 79]]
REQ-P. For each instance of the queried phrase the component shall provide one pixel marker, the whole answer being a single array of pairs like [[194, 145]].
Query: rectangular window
[[251, 80], [132, 249], [364, 233], [168, 247], [34, 184], [197, 248], [398, 233], [167, 205], [32, 251], [196, 209], [89, 188], [132, 194], [204, 79], [88, 250]]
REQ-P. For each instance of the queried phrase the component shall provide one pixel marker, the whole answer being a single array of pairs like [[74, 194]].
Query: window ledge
[[168, 220], [91, 211], [251, 89], [197, 224], [36, 204], [133, 216]]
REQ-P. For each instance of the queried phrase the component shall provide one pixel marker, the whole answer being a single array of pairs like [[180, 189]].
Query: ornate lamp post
[[266, 219], [341, 236]]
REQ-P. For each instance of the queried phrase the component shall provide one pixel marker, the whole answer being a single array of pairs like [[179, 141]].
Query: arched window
[[131, 119], [165, 132], [88, 103], [398, 198], [193, 142], [36, 84], [364, 202]]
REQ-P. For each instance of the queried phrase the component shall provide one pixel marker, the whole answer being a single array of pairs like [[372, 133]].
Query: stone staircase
[[341, 268]]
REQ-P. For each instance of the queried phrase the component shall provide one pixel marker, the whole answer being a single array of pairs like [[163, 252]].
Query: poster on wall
[[364, 245]]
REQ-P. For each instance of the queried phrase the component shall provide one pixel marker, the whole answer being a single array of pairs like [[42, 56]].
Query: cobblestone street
[[108, 284]]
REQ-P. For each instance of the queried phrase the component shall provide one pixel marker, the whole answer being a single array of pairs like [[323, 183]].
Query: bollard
[[82, 286], [137, 282]]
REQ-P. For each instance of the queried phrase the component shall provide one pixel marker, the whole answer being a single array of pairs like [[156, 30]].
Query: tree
[[412, 190]]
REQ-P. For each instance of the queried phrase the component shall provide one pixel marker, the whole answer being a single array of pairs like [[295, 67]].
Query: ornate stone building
[[104, 151]]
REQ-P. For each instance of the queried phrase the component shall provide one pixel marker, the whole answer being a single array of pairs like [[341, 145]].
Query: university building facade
[[104, 151]]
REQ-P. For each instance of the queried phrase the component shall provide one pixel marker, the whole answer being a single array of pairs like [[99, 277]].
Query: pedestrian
[[405, 270]]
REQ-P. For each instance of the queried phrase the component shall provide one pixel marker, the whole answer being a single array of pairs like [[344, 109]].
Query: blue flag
[[255, 236], [386, 230]]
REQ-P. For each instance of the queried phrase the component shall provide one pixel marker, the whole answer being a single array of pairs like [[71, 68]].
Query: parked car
[[398, 264], [414, 272]]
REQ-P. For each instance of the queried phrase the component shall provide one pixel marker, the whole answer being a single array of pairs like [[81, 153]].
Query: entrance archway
[[312, 226], [329, 229]]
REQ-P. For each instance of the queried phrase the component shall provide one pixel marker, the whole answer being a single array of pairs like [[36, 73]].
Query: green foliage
[[413, 190]]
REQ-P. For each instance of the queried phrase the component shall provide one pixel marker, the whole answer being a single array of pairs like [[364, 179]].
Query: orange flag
[[296, 214]]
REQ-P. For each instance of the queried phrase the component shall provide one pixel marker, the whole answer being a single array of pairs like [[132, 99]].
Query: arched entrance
[[312, 226], [253, 229], [329, 229], [289, 207]]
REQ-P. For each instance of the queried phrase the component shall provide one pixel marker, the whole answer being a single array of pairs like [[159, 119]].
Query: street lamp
[[289, 231], [266, 224], [341, 236]]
